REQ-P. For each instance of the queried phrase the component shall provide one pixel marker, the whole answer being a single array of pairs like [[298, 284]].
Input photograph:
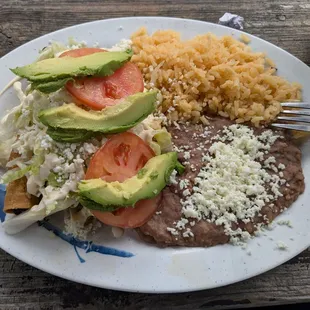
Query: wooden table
[[285, 23]]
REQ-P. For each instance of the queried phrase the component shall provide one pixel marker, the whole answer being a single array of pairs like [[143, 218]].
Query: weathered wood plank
[[279, 22], [24, 285], [282, 22]]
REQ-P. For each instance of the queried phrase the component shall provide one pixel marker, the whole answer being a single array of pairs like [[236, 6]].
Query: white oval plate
[[152, 269]]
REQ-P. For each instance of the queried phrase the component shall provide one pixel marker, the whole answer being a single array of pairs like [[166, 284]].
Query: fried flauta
[[17, 199]]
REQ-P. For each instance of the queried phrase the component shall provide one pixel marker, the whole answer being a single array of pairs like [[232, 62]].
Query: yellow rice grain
[[244, 38], [211, 74]]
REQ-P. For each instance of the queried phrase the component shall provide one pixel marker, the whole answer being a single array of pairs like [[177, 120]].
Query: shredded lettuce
[[56, 48], [14, 174], [54, 180], [20, 118], [155, 147], [151, 131], [51, 50], [33, 168], [36, 213], [9, 126], [163, 138], [5, 148]]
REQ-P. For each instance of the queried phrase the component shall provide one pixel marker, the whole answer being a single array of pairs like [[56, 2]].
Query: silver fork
[[296, 118]]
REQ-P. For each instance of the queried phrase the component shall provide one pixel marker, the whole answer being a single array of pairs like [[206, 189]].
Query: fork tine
[[296, 111], [305, 119], [296, 105], [299, 127]]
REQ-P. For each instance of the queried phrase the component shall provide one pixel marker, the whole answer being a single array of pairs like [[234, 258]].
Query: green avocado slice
[[118, 118], [148, 183], [92, 205], [69, 136], [179, 168], [50, 86], [53, 69]]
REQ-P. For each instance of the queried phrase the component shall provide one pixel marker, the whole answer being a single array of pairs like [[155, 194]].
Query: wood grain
[[23, 285], [282, 22]]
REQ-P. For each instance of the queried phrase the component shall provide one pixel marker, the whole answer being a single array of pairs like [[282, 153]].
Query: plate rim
[[114, 286]]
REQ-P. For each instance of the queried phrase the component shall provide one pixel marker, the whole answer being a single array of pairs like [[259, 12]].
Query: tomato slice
[[121, 158], [124, 153], [99, 92], [82, 52], [130, 217], [125, 81]]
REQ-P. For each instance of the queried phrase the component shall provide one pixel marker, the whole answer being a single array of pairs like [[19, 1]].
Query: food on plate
[[129, 112], [16, 198], [122, 157], [208, 74], [236, 179], [160, 135], [150, 180], [97, 92], [58, 71]]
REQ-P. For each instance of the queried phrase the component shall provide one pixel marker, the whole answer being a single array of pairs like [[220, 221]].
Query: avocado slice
[[53, 69], [179, 168], [50, 86], [120, 117], [148, 183], [92, 205], [69, 136]]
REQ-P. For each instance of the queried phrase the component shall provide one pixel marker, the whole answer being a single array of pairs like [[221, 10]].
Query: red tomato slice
[[124, 153], [125, 81], [99, 92], [90, 91], [81, 52], [130, 217], [121, 158]]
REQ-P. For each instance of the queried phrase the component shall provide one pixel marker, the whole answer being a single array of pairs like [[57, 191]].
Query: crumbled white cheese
[[232, 185], [282, 246], [117, 232], [186, 192], [89, 148], [188, 233], [187, 155], [173, 231], [285, 222], [183, 183], [270, 160], [271, 226], [173, 179], [281, 166], [123, 45], [181, 223]]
